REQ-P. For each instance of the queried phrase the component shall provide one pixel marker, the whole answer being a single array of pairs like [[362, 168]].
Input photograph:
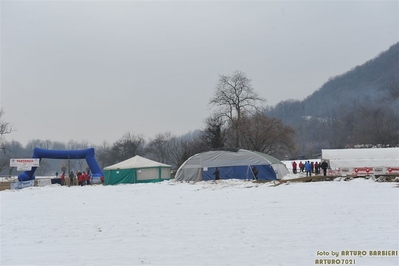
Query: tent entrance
[[265, 172]]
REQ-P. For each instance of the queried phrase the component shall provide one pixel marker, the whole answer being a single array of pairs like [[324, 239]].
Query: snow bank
[[227, 222]]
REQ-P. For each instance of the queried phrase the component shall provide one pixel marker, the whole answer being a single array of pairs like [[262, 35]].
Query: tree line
[[237, 121]]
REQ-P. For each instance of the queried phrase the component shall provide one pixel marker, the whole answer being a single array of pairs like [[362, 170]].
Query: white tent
[[136, 170], [363, 161], [232, 164]]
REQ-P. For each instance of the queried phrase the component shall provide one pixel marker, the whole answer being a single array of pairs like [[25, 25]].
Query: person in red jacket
[[85, 178], [63, 179], [294, 167], [80, 179], [316, 168], [301, 166]]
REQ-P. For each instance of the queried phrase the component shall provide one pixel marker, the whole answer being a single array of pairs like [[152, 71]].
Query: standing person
[[216, 174], [88, 176], [324, 166], [62, 178], [255, 172], [294, 167], [72, 177], [301, 166], [84, 178], [308, 168], [316, 168], [80, 179], [320, 163], [311, 167]]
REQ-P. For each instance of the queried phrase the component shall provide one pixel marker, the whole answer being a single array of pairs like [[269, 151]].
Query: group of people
[[78, 179], [310, 167], [307, 167]]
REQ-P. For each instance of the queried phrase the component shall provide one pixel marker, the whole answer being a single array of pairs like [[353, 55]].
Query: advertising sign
[[24, 164], [22, 184]]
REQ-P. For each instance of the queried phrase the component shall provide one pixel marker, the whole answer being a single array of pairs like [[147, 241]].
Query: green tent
[[136, 170]]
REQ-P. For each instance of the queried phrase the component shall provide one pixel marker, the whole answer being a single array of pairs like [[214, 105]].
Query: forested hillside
[[357, 107]]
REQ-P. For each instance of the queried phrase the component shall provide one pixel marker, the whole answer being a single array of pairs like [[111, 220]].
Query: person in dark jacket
[[255, 172], [72, 177], [216, 174], [88, 177], [324, 166]]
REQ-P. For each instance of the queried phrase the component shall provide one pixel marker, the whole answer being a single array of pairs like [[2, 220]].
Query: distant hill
[[360, 84], [364, 85]]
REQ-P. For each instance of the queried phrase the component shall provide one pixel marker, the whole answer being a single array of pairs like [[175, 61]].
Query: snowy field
[[228, 222]]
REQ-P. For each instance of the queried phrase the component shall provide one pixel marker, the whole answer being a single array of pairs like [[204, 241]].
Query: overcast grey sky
[[96, 70]]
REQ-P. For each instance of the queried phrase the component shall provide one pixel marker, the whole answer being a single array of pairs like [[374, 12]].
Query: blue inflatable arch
[[87, 154]]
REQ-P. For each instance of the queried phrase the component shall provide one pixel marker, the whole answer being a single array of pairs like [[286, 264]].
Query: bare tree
[[57, 145], [190, 144], [157, 148], [392, 89], [12, 149], [103, 153], [4, 163], [234, 95], [128, 146], [268, 135], [174, 151], [179, 148], [5, 128], [365, 124], [213, 135], [375, 125]]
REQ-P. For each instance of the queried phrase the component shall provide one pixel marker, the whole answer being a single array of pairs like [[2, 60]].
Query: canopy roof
[[227, 158], [136, 162]]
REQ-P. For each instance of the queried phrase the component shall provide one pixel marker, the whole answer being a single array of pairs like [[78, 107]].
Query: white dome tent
[[232, 164]]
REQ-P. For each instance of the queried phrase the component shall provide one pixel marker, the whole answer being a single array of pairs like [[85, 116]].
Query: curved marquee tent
[[136, 170], [236, 164]]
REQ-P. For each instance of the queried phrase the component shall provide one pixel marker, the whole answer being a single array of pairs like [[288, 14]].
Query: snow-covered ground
[[228, 222]]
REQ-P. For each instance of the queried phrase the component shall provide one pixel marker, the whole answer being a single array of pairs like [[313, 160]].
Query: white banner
[[43, 182], [23, 168], [380, 170], [32, 162]]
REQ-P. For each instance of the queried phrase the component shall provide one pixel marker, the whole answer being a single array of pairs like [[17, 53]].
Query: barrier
[[43, 182], [380, 170], [22, 184]]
